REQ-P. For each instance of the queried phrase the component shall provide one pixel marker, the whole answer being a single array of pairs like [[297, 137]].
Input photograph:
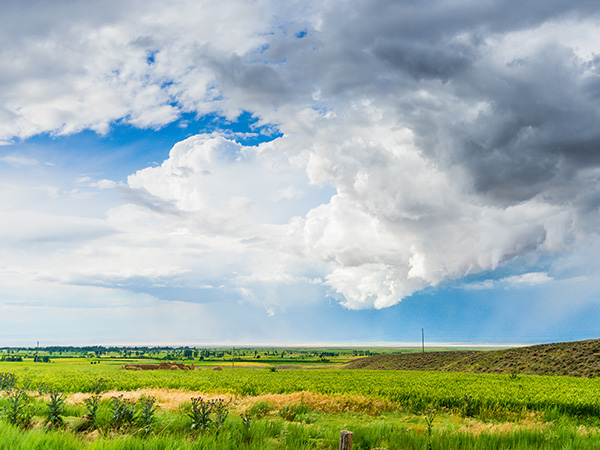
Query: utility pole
[[422, 340], [232, 357]]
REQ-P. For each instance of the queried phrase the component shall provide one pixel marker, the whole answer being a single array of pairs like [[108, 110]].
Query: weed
[[291, 412], [246, 421], [429, 418], [221, 412], [147, 412], [7, 381], [56, 408], [123, 412], [26, 385], [287, 413], [468, 408], [200, 413], [98, 386], [18, 411], [246, 425], [92, 403], [260, 409]]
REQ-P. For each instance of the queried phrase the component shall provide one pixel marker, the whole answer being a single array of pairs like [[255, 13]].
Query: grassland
[[305, 409], [581, 359]]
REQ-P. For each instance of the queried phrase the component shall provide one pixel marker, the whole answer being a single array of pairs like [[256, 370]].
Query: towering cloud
[[420, 141]]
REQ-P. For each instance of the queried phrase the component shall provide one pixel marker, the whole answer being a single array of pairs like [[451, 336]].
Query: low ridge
[[579, 359]]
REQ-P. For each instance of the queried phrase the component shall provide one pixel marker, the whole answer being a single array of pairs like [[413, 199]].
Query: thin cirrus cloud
[[419, 143]]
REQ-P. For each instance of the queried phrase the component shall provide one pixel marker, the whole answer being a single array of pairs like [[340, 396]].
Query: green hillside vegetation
[[580, 359]]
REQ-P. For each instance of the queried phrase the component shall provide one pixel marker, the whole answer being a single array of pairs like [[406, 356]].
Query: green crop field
[[267, 406]]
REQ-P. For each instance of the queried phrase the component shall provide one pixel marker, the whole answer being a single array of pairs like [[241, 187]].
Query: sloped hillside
[[580, 359]]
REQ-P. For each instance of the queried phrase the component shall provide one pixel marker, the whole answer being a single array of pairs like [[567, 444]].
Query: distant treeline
[[91, 349]]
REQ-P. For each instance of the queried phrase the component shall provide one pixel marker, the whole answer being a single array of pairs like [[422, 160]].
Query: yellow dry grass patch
[[172, 399], [474, 427], [165, 398], [321, 402]]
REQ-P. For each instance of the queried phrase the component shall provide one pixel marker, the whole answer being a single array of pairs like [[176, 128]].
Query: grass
[[276, 433], [305, 409], [489, 394], [580, 359]]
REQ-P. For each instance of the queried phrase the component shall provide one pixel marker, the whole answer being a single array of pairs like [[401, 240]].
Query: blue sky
[[267, 173]]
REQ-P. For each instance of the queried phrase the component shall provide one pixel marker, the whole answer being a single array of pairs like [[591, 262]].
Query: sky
[[265, 172]]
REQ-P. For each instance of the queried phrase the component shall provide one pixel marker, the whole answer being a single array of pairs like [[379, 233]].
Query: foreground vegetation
[[91, 403], [276, 433], [492, 394]]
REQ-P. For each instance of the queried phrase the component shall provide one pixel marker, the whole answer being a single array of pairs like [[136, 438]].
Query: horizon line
[[379, 344]]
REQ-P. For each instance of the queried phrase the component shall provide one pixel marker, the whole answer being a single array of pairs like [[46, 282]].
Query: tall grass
[[562, 401], [271, 434], [416, 391]]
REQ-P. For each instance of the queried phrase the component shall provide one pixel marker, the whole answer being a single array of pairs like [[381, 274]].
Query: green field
[[305, 408]]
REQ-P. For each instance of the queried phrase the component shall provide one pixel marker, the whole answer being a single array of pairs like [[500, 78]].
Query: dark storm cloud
[[539, 126]]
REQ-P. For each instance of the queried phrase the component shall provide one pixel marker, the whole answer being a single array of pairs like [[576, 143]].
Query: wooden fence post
[[346, 440]]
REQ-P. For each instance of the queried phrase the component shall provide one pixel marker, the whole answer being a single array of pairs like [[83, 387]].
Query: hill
[[580, 359]]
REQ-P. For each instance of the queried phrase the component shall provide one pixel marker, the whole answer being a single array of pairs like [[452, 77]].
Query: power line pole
[[422, 340]]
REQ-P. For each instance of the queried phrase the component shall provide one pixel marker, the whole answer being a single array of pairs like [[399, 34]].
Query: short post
[[346, 440]]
